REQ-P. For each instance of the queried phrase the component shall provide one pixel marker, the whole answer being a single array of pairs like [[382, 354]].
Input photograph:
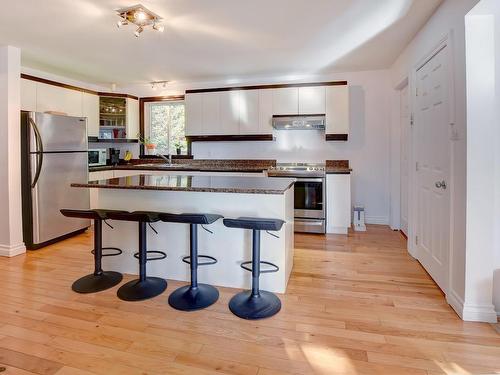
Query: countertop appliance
[[54, 154], [97, 157], [299, 122], [310, 197]]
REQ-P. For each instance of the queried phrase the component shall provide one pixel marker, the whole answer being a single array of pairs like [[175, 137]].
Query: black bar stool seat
[[99, 280], [144, 287], [195, 296], [255, 303]]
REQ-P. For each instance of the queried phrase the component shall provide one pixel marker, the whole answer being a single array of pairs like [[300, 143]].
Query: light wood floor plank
[[356, 304]]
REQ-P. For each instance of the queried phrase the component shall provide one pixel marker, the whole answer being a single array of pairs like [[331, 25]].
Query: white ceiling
[[211, 40]]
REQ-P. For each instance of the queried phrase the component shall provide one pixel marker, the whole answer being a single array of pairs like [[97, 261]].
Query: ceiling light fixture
[[138, 31], [155, 84], [140, 16]]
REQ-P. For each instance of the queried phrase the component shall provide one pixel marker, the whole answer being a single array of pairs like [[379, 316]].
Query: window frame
[[145, 116]]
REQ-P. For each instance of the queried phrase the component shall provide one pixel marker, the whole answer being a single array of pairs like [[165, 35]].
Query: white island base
[[230, 246]]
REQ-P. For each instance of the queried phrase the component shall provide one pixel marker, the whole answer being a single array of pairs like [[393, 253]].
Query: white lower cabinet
[[338, 203], [94, 193]]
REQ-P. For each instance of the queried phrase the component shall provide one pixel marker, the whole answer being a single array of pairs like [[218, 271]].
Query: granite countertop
[[337, 167], [216, 184], [193, 165]]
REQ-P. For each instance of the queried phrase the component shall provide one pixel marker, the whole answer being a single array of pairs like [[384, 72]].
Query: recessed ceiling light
[[140, 16]]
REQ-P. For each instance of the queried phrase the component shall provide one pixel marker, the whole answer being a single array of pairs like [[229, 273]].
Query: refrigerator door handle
[[39, 152]]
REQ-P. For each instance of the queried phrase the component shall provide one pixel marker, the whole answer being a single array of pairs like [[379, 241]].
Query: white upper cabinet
[[58, 99], [337, 109], [266, 111], [312, 100], [249, 112], [194, 124], [132, 128], [210, 113], [28, 95], [229, 105], [90, 105], [286, 101]]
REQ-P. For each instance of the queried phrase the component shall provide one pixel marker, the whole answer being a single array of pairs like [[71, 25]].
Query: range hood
[[299, 122]]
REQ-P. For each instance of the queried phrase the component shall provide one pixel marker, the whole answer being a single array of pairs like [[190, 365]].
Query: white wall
[[449, 18], [483, 156], [11, 235], [367, 148]]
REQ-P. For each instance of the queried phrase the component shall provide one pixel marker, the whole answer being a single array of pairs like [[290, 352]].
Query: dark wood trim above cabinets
[[58, 84], [116, 95], [76, 88], [336, 137], [230, 138], [149, 99], [275, 86], [162, 98]]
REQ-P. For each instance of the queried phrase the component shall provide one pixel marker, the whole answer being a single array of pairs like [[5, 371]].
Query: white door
[[432, 145], [405, 127]]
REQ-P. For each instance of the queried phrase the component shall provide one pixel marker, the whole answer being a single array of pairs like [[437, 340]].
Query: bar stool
[[144, 287], [99, 280], [195, 296], [255, 303]]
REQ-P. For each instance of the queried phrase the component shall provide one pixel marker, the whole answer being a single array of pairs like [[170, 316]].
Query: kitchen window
[[166, 127]]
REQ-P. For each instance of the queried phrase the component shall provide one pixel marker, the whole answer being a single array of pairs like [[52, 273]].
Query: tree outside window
[[166, 127]]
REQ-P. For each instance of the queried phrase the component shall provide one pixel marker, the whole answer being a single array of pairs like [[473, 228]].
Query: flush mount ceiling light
[[140, 16]]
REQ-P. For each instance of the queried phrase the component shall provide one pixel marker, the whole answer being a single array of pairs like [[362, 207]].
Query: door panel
[[62, 133], [432, 146], [53, 192]]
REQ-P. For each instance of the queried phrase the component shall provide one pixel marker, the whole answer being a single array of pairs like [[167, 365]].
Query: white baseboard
[[384, 220], [337, 230], [480, 313], [471, 313], [456, 302], [12, 251]]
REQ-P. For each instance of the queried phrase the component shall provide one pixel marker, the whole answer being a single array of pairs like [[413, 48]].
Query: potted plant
[[178, 147], [150, 146]]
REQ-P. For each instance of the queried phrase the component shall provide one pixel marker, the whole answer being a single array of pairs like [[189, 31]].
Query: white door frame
[[404, 84], [445, 42]]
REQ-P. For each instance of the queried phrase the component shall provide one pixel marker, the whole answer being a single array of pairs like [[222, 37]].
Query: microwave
[[97, 157]]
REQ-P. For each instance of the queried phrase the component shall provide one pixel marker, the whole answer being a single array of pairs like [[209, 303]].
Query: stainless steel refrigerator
[[54, 155]]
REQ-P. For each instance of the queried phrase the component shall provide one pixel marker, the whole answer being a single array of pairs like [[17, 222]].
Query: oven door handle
[[319, 179]]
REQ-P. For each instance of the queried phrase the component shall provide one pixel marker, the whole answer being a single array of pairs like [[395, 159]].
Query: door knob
[[441, 184]]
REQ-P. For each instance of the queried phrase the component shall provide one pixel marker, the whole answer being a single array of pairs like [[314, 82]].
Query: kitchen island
[[229, 196]]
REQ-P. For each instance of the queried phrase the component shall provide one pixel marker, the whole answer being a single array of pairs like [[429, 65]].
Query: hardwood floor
[[354, 305]]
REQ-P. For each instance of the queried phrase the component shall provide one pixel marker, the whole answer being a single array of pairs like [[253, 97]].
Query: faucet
[[168, 160]]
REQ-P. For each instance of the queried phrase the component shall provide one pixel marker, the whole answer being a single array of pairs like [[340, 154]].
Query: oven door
[[310, 198]]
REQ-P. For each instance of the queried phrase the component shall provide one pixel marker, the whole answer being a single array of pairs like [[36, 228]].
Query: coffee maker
[[114, 156]]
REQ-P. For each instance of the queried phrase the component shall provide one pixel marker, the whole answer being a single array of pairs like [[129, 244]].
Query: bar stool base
[[187, 298], [137, 290], [246, 306], [97, 283]]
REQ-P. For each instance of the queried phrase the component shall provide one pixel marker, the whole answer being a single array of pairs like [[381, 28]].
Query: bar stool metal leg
[[255, 304], [194, 296], [99, 280], [144, 287]]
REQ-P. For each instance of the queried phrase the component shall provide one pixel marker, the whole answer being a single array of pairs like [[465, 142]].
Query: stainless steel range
[[310, 205]]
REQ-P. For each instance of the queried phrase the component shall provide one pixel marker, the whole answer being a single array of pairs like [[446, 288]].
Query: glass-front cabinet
[[112, 117]]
